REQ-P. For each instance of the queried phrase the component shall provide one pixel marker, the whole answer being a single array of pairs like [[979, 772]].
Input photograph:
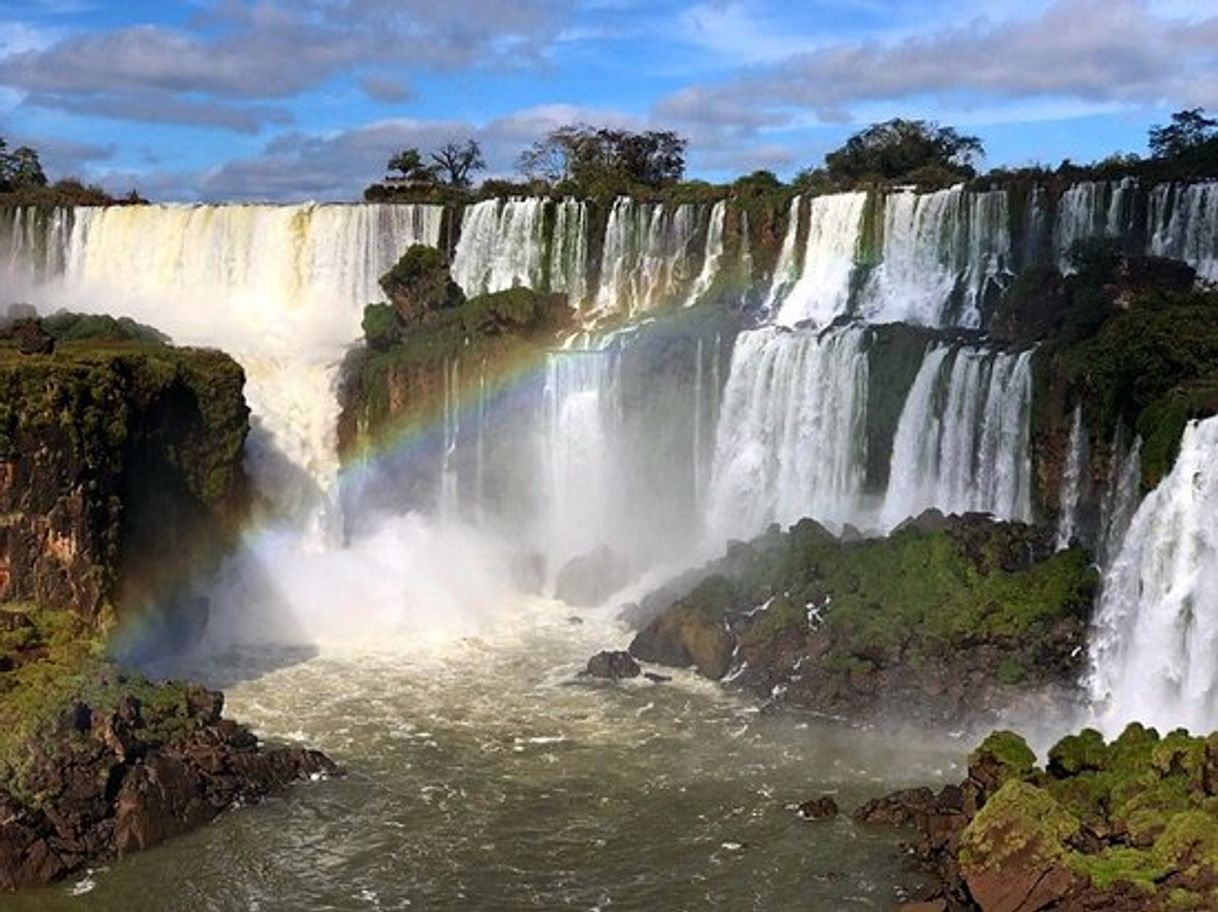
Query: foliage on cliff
[[121, 463], [961, 600]]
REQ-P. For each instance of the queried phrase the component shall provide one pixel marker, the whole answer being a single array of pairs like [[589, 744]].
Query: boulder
[[612, 665], [820, 808], [32, 339], [685, 636], [591, 578]]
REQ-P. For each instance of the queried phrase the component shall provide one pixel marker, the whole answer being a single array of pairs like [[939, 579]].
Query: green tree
[[1188, 132], [409, 163], [899, 148], [606, 158], [456, 161]]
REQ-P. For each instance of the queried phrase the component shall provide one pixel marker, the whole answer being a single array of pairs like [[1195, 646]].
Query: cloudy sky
[[299, 99]]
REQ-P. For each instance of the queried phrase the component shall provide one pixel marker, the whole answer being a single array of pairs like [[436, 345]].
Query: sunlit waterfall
[[712, 255], [822, 290], [646, 257], [786, 271], [790, 439], [1154, 654], [962, 440], [502, 245]]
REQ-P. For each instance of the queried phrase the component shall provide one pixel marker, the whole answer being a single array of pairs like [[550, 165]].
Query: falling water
[[790, 441], [449, 482], [502, 245], [646, 255], [1154, 654], [712, 256], [786, 272], [1183, 224], [569, 251], [1120, 498], [822, 291], [1072, 479], [1092, 209], [961, 443]]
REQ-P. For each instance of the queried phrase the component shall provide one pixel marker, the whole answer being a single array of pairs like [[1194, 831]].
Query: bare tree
[[457, 161]]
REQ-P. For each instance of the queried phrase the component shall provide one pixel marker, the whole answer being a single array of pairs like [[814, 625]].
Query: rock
[[926, 905], [656, 678], [686, 636], [32, 339], [818, 808], [591, 578], [612, 665]]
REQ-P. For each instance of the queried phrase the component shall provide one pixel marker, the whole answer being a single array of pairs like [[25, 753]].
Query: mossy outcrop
[[943, 617], [118, 456], [1130, 824]]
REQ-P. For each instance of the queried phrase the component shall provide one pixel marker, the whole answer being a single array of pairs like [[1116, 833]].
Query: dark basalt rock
[[821, 808], [612, 665], [103, 787]]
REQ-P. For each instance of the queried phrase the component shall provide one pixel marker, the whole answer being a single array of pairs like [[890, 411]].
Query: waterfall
[[943, 255], [645, 255], [822, 291], [33, 242], [281, 288], [1183, 225], [502, 245], [790, 440], [1072, 479], [786, 271], [569, 251], [1120, 498], [1154, 652], [582, 415], [712, 256], [1089, 210], [450, 504], [961, 443]]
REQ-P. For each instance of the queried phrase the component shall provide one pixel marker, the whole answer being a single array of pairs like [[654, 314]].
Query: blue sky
[[270, 99]]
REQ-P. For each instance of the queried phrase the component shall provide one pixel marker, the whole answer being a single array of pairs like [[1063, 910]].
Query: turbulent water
[[484, 775]]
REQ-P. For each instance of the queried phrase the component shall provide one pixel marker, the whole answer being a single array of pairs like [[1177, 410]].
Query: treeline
[[23, 182], [586, 161]]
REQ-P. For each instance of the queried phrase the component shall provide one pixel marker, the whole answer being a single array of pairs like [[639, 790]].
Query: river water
[[484, 774]]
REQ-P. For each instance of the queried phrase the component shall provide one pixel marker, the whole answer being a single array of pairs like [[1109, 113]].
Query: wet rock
[[32, 339], [820, 808], [591, 578], [656, 678], [686, 636], [612, 665]]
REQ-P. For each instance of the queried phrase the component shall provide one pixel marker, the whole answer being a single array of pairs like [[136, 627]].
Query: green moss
[[1010, 751], [1020, 822], [1118, 864], [1079, 753]]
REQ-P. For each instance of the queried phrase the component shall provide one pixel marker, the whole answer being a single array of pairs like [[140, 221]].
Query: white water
[[786, 271], [645, 258], [1072, 479], [937, 246], [1120, 498], [790, 441], [1183, 224], [712, 256], [569, 251], [822, 291], [502, 245], [1092, 209], [1154, 653], [961, 444]]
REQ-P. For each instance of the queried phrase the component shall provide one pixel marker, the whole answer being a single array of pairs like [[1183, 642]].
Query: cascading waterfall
[[450, 492], [961, 443], [822, 291], [1183, 225], [790, 441], [502, 245], [941, 252], [1120, 498], [786, 271], [1154, 653], [569, 251], [582, 414], [645, 258], [281, 288], [713, 255], [1092, 209], [1072, 478]]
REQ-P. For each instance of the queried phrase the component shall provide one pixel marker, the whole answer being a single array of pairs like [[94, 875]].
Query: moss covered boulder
[[940, 618]]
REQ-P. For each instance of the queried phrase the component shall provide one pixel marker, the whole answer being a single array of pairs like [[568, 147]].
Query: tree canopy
[[899, 149], [452, 164], [1188, 133], [606, 158], [20, 169]]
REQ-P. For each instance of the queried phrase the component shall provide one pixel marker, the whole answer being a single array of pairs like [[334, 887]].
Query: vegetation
[[898, 151], [420, 282], [23, 182], [1139, 812], [453, 164], [599, 161]]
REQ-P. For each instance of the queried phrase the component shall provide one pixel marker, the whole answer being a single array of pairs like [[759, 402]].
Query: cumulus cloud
[[1101, 51], [241, 51]]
